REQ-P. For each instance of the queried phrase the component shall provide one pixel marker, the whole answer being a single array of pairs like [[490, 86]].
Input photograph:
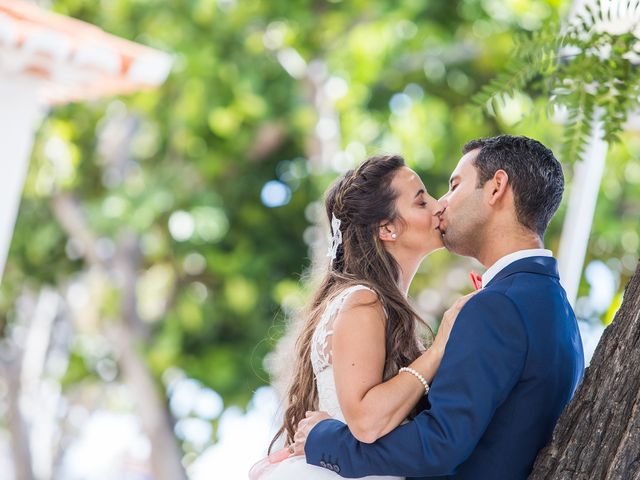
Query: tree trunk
[[598, 434], [18, 431], [125, 334], [166, 454]]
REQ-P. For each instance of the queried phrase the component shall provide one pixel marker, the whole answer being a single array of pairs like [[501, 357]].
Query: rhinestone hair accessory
[[336, 238]]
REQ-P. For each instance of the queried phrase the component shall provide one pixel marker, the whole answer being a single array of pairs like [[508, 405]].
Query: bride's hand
[[448, 320], [304, 427]]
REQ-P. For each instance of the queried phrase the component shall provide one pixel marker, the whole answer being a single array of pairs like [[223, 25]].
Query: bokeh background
[[163, 237]]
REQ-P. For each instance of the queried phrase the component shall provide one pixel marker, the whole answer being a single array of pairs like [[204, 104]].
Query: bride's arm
[[372, 408]]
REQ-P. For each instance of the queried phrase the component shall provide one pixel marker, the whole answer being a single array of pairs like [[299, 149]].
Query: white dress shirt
[[494, 269]]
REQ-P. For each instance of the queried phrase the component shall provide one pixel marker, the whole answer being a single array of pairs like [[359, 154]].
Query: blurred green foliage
[[217, 265]]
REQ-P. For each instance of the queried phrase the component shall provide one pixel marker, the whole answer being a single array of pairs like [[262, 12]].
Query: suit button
[[322, 464], [336, 468], [329, 466]]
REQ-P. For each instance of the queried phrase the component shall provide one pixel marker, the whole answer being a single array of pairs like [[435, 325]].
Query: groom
[[514, 357]]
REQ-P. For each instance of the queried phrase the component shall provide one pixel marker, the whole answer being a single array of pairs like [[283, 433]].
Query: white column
[[19, 118], [585, 185]]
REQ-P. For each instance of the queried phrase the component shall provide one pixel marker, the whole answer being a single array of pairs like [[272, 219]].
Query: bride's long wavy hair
[[361, 199]]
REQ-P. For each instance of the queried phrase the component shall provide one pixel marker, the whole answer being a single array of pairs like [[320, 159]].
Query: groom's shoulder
[[533, 295], [490, 296], [492, 302], [492, 316]]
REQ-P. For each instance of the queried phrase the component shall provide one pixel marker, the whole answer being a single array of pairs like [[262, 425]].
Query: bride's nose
[[441, 206]]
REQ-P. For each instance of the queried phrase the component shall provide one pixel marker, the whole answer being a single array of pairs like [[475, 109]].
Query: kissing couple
[[366, 398]]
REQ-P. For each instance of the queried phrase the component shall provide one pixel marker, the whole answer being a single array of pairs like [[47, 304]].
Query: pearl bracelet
[[416, 374]]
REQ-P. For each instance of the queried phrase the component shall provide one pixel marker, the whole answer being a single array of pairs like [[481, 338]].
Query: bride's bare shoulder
[[360, 307]]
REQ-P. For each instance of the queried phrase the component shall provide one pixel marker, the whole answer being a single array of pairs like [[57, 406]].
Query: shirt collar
[[494, 269]]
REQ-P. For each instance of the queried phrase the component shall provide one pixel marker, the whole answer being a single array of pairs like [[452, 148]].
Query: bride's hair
[[361, 200]]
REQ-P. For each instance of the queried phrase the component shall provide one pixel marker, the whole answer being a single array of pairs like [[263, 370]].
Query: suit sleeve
[[483, 361]]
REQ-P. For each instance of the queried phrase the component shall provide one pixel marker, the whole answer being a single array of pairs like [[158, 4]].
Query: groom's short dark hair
[[534, 173]]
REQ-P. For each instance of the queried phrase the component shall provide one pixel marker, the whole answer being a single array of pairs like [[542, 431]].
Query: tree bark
[[598, 434]]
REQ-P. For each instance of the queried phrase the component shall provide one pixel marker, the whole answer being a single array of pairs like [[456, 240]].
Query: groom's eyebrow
[[452, 179]]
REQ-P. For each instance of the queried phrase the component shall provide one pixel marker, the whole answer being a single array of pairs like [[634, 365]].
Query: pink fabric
[[263, 465]]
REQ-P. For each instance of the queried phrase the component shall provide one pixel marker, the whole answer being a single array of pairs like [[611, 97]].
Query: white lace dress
[[296, 468]]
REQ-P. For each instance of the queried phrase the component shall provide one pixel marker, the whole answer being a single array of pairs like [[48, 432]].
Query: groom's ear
[[498, 186]]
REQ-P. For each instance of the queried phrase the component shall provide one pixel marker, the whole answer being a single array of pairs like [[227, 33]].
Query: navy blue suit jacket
[[511, 365]]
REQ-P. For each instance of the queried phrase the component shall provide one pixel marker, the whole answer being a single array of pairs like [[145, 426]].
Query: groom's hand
[[304, 427]]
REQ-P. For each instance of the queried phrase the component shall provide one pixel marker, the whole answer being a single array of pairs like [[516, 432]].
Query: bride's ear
[[387, 232]]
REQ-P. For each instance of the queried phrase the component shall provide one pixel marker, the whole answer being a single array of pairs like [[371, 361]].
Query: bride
[[358, 356]]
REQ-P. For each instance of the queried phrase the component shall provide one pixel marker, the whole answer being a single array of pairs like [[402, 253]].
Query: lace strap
[[321, 352], [336, 304]]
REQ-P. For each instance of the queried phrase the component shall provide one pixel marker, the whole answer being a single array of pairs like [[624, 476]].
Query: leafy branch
[[587, 68]]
